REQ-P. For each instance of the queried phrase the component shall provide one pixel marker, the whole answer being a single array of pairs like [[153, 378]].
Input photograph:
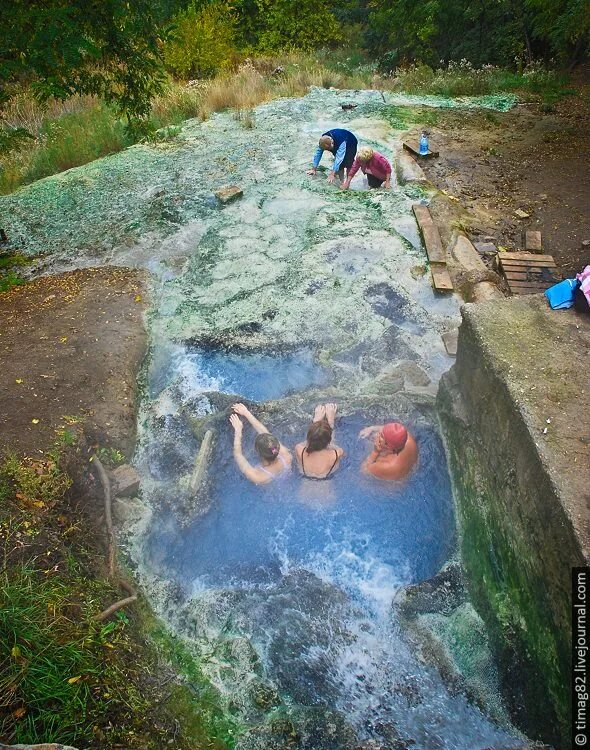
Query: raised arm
[[243, 411], [249, 471], [368, 432]]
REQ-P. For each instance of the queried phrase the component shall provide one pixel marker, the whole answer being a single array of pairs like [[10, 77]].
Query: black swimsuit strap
[[303, 463], [330, 470], [334, 464]]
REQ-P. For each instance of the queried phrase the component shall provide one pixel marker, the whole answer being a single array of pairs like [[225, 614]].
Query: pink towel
[[584, 278]]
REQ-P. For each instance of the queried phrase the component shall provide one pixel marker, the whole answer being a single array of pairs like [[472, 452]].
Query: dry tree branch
[[112, 544]]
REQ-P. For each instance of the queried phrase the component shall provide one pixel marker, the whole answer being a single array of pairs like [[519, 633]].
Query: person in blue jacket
[[342, 143]]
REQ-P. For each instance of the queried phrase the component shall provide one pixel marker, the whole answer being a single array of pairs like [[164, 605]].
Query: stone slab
[[407, 169], [485, 248], [466, 255], [229, 193], [125, 481], [450, 341], [533, 242]]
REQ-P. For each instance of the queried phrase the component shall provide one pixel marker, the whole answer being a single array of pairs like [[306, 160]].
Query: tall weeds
[[74, 132]]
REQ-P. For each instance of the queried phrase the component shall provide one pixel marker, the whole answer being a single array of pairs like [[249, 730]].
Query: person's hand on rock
[[236, 423], [241, 409]]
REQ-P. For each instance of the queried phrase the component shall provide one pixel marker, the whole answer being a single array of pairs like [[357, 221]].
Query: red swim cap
[[395, 435]]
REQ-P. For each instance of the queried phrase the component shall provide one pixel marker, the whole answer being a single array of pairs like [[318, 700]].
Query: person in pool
[[342, 143], [275, 459], [374, 165], [395, 452], [318, 457]]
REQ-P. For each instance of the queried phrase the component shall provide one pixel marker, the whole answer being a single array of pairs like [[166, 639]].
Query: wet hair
[[365, 153], [319, 435], [326, 142], [267, 446]]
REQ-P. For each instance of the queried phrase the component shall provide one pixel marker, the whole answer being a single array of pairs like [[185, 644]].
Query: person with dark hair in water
[[318, 457], [342, 144], [395, 452], [275, 459]]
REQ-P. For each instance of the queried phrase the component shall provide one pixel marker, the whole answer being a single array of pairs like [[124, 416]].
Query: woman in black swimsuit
[[318, 457]]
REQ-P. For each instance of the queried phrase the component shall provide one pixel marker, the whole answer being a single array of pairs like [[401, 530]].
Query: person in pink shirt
[[374, 165]]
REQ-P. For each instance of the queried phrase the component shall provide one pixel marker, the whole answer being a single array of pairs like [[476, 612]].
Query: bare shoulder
[[286, 454]]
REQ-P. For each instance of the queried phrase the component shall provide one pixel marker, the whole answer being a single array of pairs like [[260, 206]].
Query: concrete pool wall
[[513, 411]]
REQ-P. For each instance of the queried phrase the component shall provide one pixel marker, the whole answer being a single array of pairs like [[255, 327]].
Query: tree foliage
[[486, 31], [109, 48], [202, 41], [296, 24]]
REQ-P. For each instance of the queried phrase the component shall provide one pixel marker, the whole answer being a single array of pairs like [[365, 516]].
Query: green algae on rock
[[509, 410]]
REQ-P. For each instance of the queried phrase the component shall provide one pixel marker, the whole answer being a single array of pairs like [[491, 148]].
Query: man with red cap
[[395, 453]]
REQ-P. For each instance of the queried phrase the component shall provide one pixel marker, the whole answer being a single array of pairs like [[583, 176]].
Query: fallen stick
[[112, 545], [201, 460], [117, 605], [108, 517]]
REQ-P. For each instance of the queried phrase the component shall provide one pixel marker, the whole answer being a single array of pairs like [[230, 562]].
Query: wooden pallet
[[528, 273], [414, 149]]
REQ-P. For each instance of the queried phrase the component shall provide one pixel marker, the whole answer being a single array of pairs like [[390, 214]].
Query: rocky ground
[[529, 159]]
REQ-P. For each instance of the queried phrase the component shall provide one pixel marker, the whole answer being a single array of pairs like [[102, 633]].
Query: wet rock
[[486, 248], [265, 695], [45, 746], [127, 509], [390, 303], [125, 481], [229, 193], [442, 594], [417, 271]]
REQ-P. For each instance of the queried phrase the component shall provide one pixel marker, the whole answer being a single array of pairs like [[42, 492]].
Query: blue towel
[[561, 296]]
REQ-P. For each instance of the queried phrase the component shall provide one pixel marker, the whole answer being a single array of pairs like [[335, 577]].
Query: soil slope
[[70, 345]]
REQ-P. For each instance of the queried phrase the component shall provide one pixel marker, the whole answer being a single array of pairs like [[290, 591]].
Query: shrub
[[297, 24], [203, 41]]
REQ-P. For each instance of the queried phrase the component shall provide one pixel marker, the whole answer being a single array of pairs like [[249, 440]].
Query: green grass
[[463, 79], [80, 130], [127, 682], [10, 279]]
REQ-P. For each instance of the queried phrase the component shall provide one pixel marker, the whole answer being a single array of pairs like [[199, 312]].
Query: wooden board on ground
[[450, 339], [414, 149], [533, 242], [430, 234], [528, 273], [440, 277], [433, 243], [422, 214]]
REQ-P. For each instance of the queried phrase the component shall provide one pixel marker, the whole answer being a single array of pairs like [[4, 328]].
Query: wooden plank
[[433, 243], [440, 277], [526, 264], [530, 284], [525, 275], [525, 256], [422, 214], [532, 241], [527, 291], [414, 149]]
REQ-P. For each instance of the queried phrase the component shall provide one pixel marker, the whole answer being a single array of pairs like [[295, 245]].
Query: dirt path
[[70, 346], [495, 163]]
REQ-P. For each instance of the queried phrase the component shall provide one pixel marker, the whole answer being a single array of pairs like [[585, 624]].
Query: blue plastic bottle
[[423, 144]]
